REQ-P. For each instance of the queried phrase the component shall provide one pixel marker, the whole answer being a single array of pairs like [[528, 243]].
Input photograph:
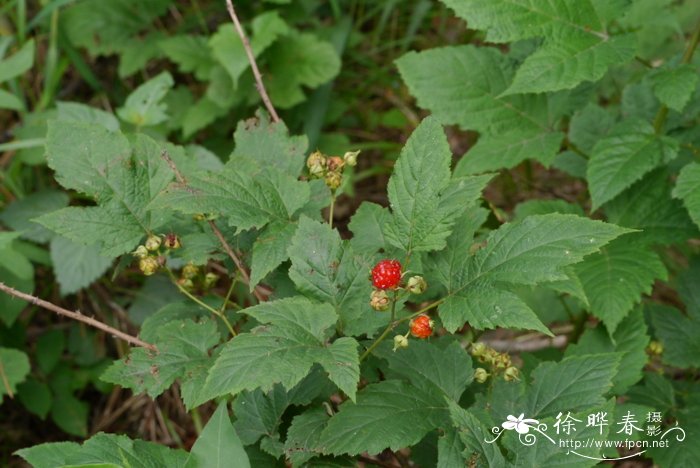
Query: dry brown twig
[[253, 65], [76, 316], [257, 292]]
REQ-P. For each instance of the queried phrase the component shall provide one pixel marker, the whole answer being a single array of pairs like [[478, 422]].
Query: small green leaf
[[36, 397], [18, 215], [270, 250], [474, 435], [688, 189], [678, 333], [675, 86], [14, 367], [218, 445], [18, 63], [144, 106]]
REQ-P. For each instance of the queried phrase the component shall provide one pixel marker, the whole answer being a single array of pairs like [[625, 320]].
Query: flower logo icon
[[520, 424]]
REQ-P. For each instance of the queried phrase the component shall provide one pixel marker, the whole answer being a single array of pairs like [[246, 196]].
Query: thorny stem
[[76, 316], [660, 118], [194, 298], [222, 240], [253, 65], [394, 323]]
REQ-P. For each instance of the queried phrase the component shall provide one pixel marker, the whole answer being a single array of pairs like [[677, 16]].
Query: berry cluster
[[191, 275], [330, 168], [151, 259], [499, 362]]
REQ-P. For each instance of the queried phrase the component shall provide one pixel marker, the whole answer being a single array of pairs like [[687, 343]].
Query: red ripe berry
[[422, 327], [386, 274]]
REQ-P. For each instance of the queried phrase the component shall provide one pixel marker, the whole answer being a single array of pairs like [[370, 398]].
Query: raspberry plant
[[383, 340]]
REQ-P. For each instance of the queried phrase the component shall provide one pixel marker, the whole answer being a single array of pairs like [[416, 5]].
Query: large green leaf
[[576, 46], [532, 251], [122, 176], [629, 339], [249, 195], [628, 152], [431, 368], [282, 350], [424, 202], [573, 384], [327, 269], [473, 435], [390, 414], [183, 353], [615, 278], [104, 450]]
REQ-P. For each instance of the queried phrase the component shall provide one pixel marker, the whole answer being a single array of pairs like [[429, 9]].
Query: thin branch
[[76, 316], [222, 240], [251, 58]]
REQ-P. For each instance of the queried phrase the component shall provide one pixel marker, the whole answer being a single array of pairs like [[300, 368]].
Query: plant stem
[[76, 316], [200, 302], [660, 118], [253, 65], [394, 323]]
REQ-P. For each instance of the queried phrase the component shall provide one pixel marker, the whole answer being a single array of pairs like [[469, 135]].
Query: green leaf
[[687, 287], [10, 101], [304, 435], [327, 269], [631, 150], [49, 349], [190, 53], [573, 384], [14, 367], [122, 177], [18, 215], [18, 63], [75, 265], [17, 272], [422, 217], [227, 48], [493, 152], [568, 58], [301, 59], [282, 350], [615, 278], [218, 445], [433, 369], [688, 189], [270, 250], [183, 353], [447, 82], [248, 195], [678, 333], [70, 414], [35, 396], [269, 143], [588, 125], [532, 251], [675, 86], [473, 435], [648, 206], [75, 111], [144, 106], [109, 449], [367, 226], [390, 414], [576, 45], [629, 340]]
